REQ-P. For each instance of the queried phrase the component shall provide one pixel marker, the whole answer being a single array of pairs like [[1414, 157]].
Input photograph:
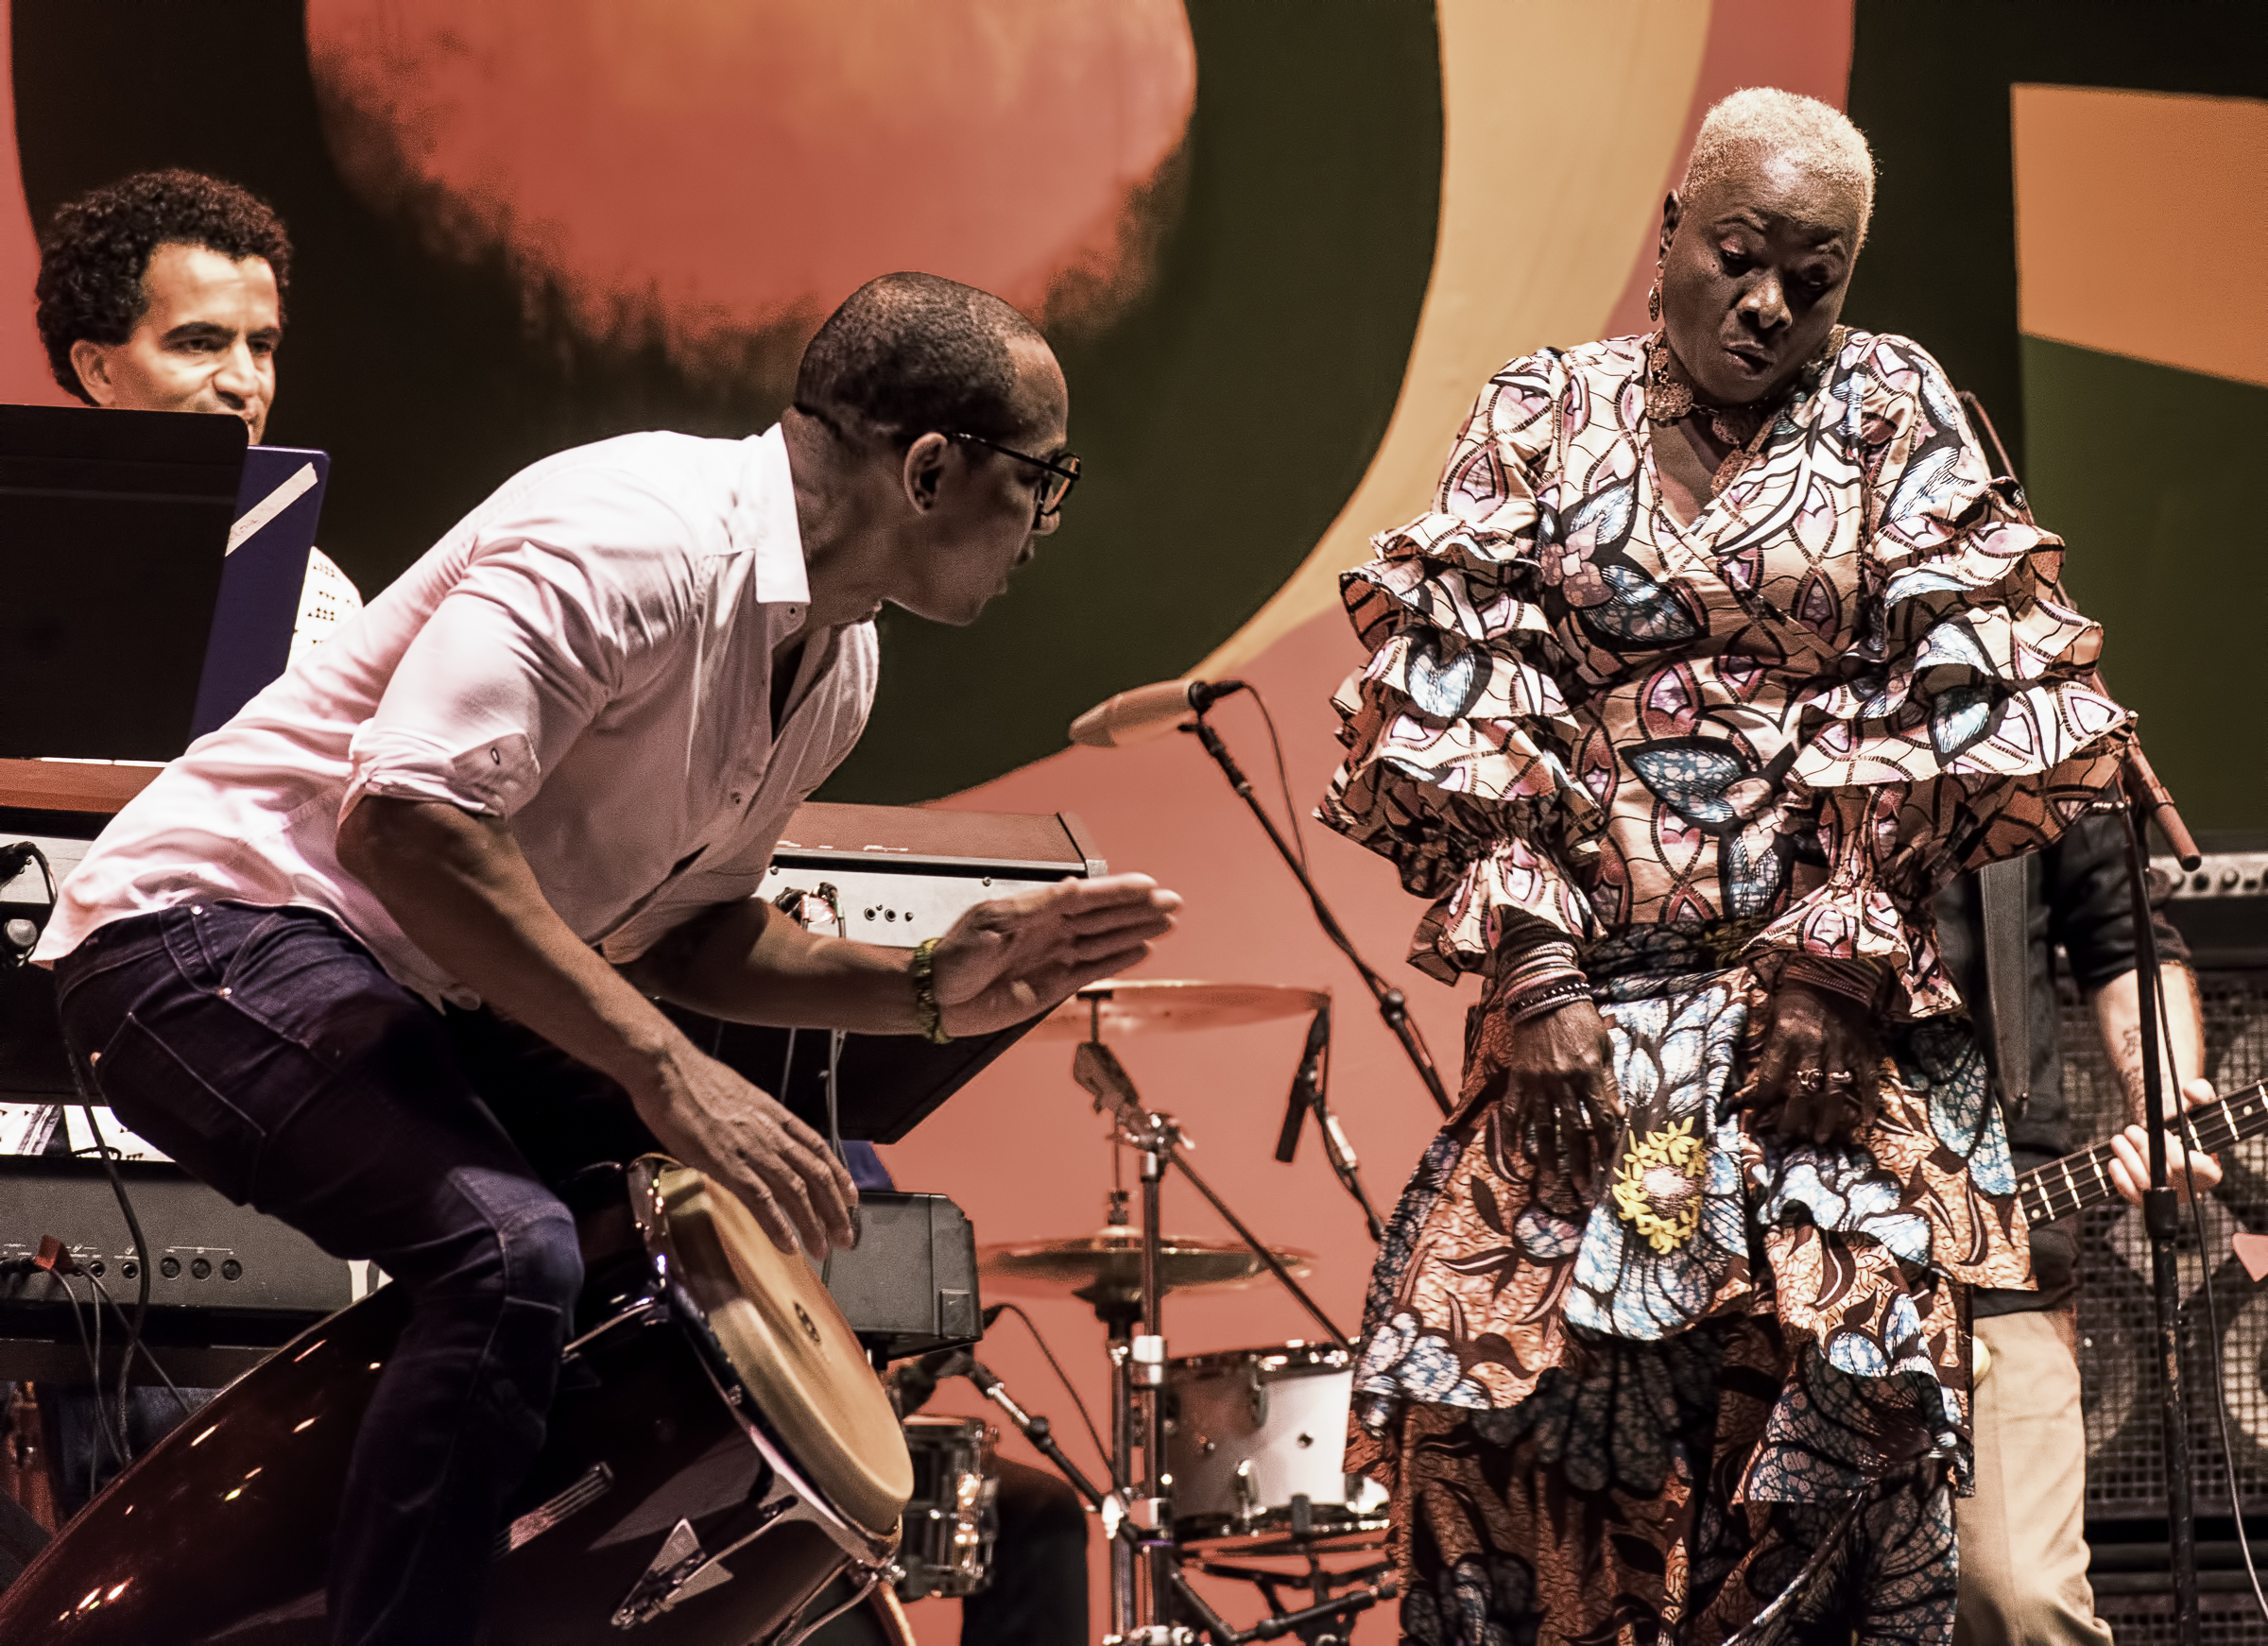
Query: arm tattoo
[[2126, 1057]]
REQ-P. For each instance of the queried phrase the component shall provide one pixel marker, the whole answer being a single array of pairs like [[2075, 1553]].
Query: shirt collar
[[776, 537]]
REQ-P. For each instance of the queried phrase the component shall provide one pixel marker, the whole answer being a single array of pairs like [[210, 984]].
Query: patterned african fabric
[[1853, 675], [1705, 1398], [1729, 1391]]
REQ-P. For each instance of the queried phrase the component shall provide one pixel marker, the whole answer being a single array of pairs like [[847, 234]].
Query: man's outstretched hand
[[1011, 959]]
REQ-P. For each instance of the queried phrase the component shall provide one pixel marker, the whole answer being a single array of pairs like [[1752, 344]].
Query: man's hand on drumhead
[[1011, 959], [711, 1119]]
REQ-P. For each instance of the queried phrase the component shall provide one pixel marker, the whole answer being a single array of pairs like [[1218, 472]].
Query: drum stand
[[1328, 1620], [1144, 1565]]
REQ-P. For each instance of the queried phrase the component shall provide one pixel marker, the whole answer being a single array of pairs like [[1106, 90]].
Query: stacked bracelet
[[1542, 1001], [927, 1012], [1540, 980], [1855, 980]]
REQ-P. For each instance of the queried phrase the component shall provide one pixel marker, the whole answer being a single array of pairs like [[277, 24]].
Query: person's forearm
[[748, 963], [2119, 1020], [459, 889]]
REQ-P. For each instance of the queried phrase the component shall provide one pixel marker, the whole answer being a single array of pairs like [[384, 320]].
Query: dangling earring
[[1667, 400], [1653, 298]]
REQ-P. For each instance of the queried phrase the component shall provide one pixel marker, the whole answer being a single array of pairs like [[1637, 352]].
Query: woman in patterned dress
[[1719, 653]]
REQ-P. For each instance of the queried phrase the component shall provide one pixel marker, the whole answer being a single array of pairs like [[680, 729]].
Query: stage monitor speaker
[[2223, 912], [2222, 909]]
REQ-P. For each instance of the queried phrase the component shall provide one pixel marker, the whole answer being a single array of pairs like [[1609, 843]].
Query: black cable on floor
[[133, 1228], [93, 1353]]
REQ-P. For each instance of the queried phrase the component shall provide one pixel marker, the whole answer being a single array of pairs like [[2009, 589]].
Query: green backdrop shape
[[2137, 466], [1228, 419], [2152, 476]]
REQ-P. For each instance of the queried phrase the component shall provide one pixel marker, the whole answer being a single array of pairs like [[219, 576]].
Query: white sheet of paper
[[24, 1128], [129, 1145]]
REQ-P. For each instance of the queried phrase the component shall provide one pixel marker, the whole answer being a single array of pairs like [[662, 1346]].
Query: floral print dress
[[1729, 1393]]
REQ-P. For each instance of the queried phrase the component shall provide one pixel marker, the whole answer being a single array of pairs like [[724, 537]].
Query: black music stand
[[116, 526]]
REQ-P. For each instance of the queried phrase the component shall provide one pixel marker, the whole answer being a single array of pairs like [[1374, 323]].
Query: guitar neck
[[2081, 1180]]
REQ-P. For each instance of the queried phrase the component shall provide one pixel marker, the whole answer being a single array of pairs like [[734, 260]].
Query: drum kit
[[1239, 1450], [757, 1483]]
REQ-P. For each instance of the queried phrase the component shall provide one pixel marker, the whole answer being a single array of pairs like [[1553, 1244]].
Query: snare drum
[[1253, 1441], [721, 1464], [954, 1518]]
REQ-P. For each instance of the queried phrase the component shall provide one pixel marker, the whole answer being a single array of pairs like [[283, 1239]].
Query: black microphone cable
[[1283, 779], [1109, 1462]]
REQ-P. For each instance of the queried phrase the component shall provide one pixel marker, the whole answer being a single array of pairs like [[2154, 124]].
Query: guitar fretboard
[[2081, 1180]]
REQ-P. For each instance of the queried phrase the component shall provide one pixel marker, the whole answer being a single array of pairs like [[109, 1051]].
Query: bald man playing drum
[[526, 792]]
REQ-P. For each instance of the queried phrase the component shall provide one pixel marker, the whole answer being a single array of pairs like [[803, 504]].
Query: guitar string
[[2222, 1126]]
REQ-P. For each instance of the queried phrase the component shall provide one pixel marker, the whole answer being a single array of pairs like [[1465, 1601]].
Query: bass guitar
[[2083, 1179]]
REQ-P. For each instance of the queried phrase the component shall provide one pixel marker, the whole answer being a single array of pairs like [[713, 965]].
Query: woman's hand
[[1560, 1097], [1818, 1076]]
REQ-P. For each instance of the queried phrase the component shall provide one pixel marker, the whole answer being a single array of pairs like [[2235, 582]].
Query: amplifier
[[909, 1286], [2220, 906], [2117, 1350], [227, 1284]]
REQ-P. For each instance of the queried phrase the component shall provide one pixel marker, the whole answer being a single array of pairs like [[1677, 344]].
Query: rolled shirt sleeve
[[549, 624]]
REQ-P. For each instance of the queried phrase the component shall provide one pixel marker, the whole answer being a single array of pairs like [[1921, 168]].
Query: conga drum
[[719, 1454]]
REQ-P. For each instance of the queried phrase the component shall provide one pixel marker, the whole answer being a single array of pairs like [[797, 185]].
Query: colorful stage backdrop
[[1278, 250]]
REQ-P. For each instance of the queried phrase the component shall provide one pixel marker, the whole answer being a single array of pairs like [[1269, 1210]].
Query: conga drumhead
[[793, 1351]]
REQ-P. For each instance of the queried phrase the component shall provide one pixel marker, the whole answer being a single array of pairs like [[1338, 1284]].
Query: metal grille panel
[[2224, 1617], [2126, 1465]]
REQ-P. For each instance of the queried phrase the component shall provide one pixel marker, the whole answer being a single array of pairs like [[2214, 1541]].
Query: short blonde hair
[[1816, 134]]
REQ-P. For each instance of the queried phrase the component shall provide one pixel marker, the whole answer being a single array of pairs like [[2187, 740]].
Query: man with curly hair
[[165, 292]]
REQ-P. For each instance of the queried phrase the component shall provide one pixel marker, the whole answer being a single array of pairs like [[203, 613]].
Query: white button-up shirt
[[589, 654]]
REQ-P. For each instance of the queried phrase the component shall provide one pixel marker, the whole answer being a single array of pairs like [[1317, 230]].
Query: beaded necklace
[[1670, 400]]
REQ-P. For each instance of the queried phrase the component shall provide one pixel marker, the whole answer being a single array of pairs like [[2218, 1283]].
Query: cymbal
[[1108, 1264], [1150, 1005]]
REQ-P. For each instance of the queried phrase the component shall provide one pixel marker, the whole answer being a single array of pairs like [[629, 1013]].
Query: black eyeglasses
[[1061, 473]]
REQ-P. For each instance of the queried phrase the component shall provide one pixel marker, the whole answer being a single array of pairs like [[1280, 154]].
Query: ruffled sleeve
[[1970, 725], [1456, 731]]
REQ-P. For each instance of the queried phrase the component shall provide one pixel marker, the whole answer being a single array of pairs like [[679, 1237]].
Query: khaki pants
[[2023, 1541]]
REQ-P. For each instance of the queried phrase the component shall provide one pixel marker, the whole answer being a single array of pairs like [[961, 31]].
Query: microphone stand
[[1308, 1093], [2144, 800], [1392, 1007], [2160, 1209]]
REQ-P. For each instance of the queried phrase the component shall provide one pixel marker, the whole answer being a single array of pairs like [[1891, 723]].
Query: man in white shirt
[[165, 292], [537, 783]]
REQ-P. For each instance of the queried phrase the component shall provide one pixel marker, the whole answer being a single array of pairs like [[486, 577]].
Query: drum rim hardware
[[1143, 1569], [973, 1517], [669, 1203]]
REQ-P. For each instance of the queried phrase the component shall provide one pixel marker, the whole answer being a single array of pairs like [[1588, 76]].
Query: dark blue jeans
[[267, 1052]]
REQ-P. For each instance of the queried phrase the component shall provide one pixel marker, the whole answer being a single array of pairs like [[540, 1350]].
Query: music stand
[[278, 503], [117, 526]]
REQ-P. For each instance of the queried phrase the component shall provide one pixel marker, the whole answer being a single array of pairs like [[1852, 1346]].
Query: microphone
[[1147, 712], [960, 1362], [1305, 1084]]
